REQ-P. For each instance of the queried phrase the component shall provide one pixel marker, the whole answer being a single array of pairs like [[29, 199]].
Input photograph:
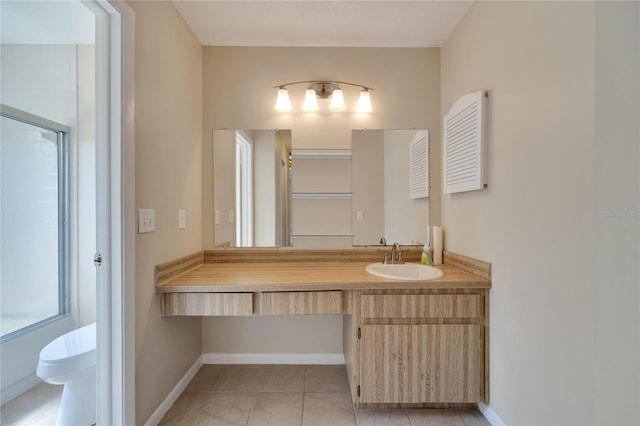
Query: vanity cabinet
[[418, 347], [405, 343]]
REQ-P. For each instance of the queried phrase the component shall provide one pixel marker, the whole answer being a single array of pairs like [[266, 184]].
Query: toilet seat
[[68, 354], [70, 360]]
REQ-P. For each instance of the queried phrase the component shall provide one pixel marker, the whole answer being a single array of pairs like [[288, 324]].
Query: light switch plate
[[359, 215], [146, 220], [182, 219], [232, 216], [217, 217]]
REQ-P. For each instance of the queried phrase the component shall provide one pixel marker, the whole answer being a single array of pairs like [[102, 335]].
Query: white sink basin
[[405, 271]]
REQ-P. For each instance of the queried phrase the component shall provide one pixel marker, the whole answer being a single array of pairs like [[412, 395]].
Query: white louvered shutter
[[464, 145], [419, 165]]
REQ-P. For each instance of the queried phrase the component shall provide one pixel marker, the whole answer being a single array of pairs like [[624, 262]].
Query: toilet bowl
[[70, 360]]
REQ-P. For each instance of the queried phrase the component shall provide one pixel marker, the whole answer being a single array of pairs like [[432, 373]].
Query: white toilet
[[70, 360]]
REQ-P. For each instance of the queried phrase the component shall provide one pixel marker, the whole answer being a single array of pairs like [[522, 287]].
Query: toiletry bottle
[[427, 255]]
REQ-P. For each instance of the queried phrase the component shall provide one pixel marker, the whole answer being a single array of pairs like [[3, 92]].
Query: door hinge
[[358, 391], [97, 259], [359, 333]]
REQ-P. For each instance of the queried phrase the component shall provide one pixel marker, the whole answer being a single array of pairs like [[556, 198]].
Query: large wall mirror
[[251, 181], [255, 200], [390, 183]]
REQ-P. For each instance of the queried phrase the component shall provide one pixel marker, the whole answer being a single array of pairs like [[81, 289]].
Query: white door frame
[[115, 220]]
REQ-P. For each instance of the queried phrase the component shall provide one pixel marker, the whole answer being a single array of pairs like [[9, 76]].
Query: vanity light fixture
[[364, 103], [323, 90], [337, 101], [310, 101], [283, 104]]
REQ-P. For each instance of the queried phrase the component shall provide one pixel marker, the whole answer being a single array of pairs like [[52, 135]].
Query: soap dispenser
[[427, 255]]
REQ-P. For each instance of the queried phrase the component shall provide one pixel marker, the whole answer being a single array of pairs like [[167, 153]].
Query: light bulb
[[283, 104], [337, 101], [364, 103], [310, 101]]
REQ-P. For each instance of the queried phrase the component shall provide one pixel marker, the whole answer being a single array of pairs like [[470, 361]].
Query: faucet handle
[[386, 256]]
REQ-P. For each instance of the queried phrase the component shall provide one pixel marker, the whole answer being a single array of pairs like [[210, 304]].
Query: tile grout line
[[406, 413], [253, 407], [213, 388], [304, 394], [463, 419], [304, 399], [256, 394]]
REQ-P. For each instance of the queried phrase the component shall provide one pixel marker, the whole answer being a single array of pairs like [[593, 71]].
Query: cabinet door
[[438, 363]]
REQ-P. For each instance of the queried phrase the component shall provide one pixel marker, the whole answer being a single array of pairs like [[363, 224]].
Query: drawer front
[[207, 304], [411, 364], [300, 303], [421, 306]]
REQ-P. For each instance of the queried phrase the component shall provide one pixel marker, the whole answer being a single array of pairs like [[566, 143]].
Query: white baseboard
[[490, 415], [244, 358], [174, 394]]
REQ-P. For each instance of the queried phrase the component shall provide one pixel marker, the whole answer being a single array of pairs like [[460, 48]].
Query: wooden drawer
[[300, 303], [421, 306], [209, 304]]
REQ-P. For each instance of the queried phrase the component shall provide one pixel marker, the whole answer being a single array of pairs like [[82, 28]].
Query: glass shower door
[[33, 223]]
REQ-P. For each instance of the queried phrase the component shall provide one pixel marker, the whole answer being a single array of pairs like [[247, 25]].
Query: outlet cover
[[146, 220], [182, 219]]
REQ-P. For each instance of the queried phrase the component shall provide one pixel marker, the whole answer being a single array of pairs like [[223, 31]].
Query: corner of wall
[[168, 108]]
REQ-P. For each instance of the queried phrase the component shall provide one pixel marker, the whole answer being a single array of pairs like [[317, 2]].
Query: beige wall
[[168, 96], [239, 94], [563, 330], [615, 213], [273, 335]]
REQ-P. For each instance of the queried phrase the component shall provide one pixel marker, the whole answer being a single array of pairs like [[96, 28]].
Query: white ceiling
[[424, 23], [360, 23], [46, 22]]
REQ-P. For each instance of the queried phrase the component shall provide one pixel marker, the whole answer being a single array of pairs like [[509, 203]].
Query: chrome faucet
[[396, 254]]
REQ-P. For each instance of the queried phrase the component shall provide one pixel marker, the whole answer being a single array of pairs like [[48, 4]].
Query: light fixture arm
[[315, 83]]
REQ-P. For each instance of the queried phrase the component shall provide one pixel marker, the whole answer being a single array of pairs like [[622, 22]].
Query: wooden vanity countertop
[[305, 276]]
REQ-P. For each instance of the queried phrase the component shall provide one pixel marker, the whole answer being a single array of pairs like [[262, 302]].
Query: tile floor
[[37, 407], [265, 395], [283, 395]]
